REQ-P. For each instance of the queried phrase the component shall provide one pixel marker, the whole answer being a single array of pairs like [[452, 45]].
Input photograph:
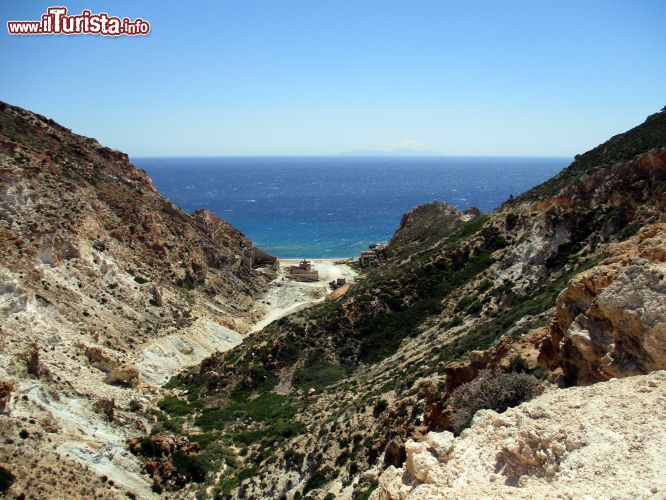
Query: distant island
[[394, 152]]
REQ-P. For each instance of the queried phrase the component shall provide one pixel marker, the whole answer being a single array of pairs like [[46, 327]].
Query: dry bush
[[490, 390]]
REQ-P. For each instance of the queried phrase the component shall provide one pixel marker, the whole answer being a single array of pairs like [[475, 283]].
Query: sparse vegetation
[[490, 390], [319, 478], [176, 406], [6, 479], [318, 372]]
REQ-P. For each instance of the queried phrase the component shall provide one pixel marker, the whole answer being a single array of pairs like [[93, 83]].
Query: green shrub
[[174, 406], [270, 407], [365, 494], [191, 466], [628, 231], [342, 458], [518, 364], [455, 321], [475, 307], [277, 431], [464, 303], [293, 459], [490, 390], [379, 408], [318, 372], [217, 418], [267, 407], [6, 479], [247, 473], [511, 221], [319, 479]]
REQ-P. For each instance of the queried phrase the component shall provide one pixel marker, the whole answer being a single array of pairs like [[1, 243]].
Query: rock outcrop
[[427, 223], [598, 441], [610, 321]]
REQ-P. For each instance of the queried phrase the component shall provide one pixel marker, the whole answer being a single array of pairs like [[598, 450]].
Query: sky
[[309, 77]]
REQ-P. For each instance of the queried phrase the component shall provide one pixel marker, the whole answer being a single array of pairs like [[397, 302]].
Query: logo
[[56, 21]]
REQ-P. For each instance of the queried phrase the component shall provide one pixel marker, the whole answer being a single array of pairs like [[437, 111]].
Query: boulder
[[116, 372]]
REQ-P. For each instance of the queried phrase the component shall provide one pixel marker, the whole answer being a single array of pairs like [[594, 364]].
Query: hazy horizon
[[344, 155]]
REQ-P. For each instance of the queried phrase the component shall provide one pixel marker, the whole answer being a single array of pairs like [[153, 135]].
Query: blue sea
[[326, 207]]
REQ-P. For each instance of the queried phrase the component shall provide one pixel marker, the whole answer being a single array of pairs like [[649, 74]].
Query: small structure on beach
[[335, 284], [373, 257], [303, 272]]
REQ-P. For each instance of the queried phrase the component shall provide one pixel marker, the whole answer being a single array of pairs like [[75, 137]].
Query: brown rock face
[[96, 269], [611, 320], [34, 367], [6, 388], [116, 372]]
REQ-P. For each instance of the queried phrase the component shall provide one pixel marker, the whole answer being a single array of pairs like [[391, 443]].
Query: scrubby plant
[[490, 390], [518, 364], [193, 467], [379, 407], [318, 372], [174, 406], [6, 479], [319, 478]]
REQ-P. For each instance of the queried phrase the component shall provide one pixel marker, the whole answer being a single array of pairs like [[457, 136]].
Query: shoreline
[[311, 259]]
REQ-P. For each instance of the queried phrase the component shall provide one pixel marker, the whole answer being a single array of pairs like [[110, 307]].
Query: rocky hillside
[[319, 403], [106, 289]]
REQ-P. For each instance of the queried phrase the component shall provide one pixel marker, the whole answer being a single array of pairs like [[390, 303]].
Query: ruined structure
[[337, 283], [303, 272], [375, 255], [260, 258]]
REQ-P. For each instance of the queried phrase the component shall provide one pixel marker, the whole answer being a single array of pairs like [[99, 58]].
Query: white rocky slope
[[607, 440]]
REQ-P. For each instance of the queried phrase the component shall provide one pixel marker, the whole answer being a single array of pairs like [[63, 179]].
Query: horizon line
[[343, 155]]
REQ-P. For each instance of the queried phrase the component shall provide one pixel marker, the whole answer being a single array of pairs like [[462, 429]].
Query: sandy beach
[[287, 296]]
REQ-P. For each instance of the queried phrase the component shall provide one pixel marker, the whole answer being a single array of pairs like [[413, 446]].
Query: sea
[[333, 207]]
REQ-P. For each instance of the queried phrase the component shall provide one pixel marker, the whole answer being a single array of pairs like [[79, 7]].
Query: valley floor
[[287, 296]]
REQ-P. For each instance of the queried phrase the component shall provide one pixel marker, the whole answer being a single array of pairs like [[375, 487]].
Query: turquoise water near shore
[[325, 207]]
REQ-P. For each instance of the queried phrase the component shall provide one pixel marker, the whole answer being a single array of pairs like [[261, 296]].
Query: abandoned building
[[374, 256], [303, 272], [335, 284], [255, 257]]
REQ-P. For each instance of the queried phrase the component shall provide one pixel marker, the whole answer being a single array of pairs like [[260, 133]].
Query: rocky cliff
[[106, 289], [610, 321]]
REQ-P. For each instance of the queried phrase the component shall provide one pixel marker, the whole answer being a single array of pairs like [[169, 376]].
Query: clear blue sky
[[324, 76]]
